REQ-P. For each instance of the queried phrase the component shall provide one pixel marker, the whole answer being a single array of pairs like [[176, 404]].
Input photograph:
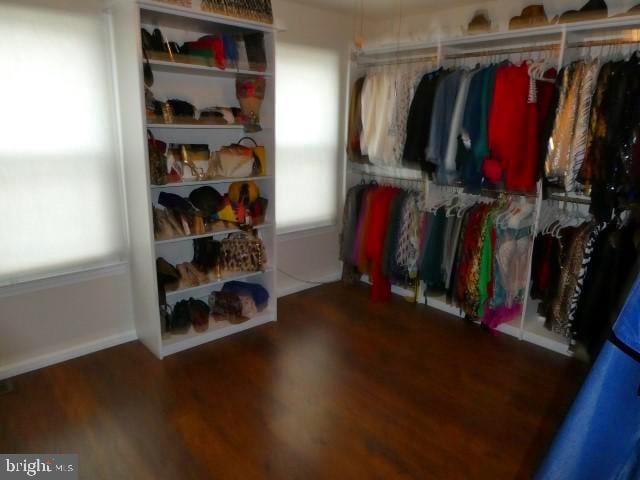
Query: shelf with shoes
[[174, 343], [188, 89], [215, 233], [183, 293]]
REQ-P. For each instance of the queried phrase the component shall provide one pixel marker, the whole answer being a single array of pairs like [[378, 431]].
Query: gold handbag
[[243, 252]]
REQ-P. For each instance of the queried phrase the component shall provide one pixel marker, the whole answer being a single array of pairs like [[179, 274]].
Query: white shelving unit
[[191, 69], [202, 86], [565, 41]]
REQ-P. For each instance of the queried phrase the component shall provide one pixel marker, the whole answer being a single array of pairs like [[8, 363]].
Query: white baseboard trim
[[301, 286], [18, 368]]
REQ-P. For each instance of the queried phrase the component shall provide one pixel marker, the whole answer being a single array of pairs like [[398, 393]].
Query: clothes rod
[[559, 197], [502, 51], [389, 177], [400, 61], [603, 43], [488, 191]]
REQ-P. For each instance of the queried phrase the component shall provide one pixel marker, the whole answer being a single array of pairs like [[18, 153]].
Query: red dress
[[375, 239]]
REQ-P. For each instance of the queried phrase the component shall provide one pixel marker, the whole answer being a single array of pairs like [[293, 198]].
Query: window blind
[[60, 182], [307, 136]]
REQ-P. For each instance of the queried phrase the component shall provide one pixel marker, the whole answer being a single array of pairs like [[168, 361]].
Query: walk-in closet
[[320, 239]]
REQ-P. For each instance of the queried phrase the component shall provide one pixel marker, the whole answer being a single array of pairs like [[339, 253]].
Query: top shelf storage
[[625, 26], [182, 18]]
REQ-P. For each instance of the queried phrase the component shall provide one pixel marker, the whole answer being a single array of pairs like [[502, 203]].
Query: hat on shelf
[[480, 22], [592, 10], [632, 11], [206, 199], [531, 16], [171, 201]]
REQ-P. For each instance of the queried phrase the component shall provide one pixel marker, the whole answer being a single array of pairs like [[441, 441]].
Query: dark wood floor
[[337, 389]]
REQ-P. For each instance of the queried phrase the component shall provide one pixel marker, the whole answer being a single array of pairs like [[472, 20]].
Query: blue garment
[[600, 438], [441, 119]]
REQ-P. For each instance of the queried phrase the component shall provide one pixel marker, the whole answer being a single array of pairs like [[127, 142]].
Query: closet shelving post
[[565, 42], [202, 86]]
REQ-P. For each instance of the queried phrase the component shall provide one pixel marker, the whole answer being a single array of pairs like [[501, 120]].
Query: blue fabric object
[[600, 438], [230, 48]]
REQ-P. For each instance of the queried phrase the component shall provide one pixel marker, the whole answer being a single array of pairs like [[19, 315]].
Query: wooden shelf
[[184, 18], [210, 234], [194, 69], [213, 182], [191, 291], [177, 343], [193, 126]]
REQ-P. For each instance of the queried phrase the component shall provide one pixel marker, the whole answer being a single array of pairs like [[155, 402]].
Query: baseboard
[[18, 368], [301, 286]]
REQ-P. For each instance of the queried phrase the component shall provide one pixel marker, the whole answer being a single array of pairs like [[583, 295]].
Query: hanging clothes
[[514, 124], [441, 122], [378, 101], [419, 121], [354, 122], [474, 147], [379, 237]]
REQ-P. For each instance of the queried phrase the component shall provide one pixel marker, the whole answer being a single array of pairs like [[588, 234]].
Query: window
[[307, 136], [60, 183]]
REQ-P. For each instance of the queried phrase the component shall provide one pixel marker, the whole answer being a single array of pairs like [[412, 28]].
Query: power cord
[[302, 279]]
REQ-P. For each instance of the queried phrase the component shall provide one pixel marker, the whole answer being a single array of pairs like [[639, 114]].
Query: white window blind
[[60, 187], [307, 136]]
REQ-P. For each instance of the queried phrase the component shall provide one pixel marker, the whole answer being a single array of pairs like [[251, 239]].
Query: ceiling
[[376, 8]]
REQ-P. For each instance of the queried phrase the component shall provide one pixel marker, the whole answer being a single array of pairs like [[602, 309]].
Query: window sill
[[62, 279], [309, 231]]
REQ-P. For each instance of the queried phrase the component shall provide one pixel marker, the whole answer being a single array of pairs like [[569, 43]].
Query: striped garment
[[583, 117], [582, 274]]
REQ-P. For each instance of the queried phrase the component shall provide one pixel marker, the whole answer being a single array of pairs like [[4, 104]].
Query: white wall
[[431, 24], [55, 323], [313, 255]]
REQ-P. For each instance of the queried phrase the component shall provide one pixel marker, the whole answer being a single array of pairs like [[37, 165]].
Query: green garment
[[486, 264]]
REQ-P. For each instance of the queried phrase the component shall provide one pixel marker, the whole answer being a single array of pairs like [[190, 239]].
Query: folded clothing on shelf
[[223, 50]]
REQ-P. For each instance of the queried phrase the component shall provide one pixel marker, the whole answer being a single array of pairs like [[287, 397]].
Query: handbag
[[259, 156], [157, 160], [238, 161], [243, 252], [226, 306], [235, 161]]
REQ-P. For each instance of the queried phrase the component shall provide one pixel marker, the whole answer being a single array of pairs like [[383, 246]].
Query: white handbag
[[236, 161]]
